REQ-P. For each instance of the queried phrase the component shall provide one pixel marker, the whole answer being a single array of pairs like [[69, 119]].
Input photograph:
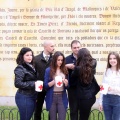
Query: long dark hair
[[85, 63], [53, 66], [117, 58], [20, 59]]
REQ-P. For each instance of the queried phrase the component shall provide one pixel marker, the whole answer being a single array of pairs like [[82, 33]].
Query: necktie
[[46, 57]]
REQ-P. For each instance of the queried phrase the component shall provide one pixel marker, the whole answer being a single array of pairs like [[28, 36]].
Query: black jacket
[[76, 77], [41, 64], [85, 91], [25, 77]]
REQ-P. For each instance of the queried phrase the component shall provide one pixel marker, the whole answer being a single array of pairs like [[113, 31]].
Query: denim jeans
[[26, 105], [111, 107]]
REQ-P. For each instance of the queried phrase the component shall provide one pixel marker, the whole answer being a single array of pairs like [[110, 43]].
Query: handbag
[[89, 91]]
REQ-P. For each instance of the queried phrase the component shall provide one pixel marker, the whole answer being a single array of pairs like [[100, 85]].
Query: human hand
[[109, 88], [51, 83], [100, 107], [70, 66], [65, 81], [35, 82]]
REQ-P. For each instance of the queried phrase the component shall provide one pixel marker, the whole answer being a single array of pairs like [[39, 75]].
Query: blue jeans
[[26, 105], [111, 107]]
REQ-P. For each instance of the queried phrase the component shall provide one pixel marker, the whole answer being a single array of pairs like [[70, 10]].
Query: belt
[[58, 93]]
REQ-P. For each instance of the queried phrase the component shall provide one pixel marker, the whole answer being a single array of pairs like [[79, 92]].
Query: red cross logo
[[40, 87], [59, 83], [101, 88]]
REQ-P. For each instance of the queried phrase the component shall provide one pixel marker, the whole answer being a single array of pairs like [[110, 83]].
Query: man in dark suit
[[42, 61]]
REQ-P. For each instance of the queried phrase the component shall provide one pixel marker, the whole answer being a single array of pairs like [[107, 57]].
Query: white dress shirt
[[44, 55]]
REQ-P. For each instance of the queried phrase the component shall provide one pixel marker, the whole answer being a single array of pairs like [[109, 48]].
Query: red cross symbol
[[40, 87], [59, 83], [101, 88]]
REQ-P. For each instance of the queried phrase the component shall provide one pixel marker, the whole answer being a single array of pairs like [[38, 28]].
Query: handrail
[[13, 114]]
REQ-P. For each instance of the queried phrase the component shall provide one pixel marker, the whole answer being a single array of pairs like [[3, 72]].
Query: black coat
[[85, 90], [41, 64], [76, 77], [25, 77]]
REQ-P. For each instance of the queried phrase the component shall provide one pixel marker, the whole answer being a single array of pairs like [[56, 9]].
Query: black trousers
[[39, 105], [85, 108], [73, 103]]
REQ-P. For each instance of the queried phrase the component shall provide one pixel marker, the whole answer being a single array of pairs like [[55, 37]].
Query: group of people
[[76, 69]]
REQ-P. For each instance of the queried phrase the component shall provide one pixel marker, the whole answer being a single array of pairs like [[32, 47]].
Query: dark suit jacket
[[41, 64]]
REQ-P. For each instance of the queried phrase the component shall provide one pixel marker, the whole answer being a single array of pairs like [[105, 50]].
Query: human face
[[50, 48], [59, 61], [113, 60], [28, 57], [75, 48]]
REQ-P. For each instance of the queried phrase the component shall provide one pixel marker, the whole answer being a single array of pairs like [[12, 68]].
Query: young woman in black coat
[[83, 75], [25, 78]]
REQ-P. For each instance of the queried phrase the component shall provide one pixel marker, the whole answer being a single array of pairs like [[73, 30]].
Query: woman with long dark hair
[[56, 97], [110, 102], [83, 75], [25, 78]]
